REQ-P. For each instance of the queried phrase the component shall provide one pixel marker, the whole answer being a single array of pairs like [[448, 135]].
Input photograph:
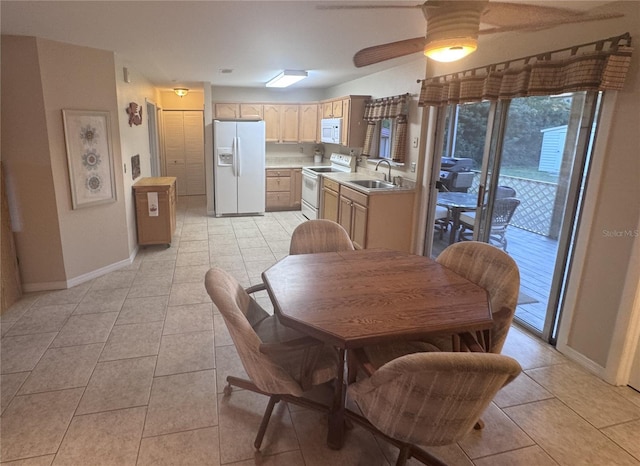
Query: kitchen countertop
[[345, 178], [295, 164]]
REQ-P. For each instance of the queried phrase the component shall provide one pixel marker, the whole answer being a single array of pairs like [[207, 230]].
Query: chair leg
[[403, 455], [479, 425], [265, 421]]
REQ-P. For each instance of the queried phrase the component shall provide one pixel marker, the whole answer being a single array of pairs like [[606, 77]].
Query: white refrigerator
[[239, 167]]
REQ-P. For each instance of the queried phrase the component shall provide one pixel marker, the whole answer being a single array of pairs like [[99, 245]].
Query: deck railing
[[536, 202]]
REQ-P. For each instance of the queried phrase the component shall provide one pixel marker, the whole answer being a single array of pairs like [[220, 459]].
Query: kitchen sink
[[373, 184]]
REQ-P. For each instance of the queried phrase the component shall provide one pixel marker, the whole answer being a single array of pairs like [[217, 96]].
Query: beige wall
[[27, 161], [92, 240]]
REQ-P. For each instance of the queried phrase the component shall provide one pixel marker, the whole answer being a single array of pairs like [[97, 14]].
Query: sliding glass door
[[527, 185]]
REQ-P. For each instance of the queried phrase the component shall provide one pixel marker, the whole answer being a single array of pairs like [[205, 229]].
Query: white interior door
[[174, 149], [194, 152]]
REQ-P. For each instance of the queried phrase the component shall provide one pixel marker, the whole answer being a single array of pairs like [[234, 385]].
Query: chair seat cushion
[[379, 355], [468, 217]]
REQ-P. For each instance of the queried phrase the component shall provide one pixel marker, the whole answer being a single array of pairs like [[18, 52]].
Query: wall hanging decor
[[135, 166], [135, 114], [88, 140]]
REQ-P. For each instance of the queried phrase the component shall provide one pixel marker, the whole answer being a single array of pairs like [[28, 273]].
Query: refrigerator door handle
[[239, 156], [234, 151]]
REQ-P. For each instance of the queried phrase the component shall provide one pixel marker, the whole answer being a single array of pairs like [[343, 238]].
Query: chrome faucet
[[388, 163]]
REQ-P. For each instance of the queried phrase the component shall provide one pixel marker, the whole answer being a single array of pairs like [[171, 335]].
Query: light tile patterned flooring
[[129, 369]]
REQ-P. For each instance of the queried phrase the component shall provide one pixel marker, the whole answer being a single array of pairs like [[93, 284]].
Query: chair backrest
[[505, 191], [432, 398], [237, 309], [503, 209], [495, 271], [319, 236]]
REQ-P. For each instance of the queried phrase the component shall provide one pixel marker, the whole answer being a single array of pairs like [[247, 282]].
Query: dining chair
[[486, 266], [319, 235], [429, 399], [280, 362], [503, 210]]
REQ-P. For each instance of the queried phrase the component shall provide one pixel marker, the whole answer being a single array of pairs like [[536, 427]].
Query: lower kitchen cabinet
[[155, 200], [375, 220], [283, 189], [330, 200]]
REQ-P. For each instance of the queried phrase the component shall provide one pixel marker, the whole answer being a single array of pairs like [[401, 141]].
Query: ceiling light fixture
[[452, 32], [287, 78], [181, 91]]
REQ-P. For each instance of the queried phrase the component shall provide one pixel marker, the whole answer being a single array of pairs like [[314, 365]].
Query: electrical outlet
[[301, 149], [413, 167]]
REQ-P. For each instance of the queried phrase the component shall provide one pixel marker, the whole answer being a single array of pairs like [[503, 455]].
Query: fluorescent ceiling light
[[287, 78]]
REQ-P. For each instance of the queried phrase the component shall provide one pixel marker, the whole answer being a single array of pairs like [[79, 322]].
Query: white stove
[[312, 177]]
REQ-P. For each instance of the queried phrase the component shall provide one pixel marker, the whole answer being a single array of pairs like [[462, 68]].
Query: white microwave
[[331, 130]]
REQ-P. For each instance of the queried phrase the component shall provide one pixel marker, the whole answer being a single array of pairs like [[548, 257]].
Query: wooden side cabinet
[[155, 209]]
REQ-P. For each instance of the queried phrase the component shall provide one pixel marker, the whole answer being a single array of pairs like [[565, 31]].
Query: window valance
[[396, 107], [595, 70]]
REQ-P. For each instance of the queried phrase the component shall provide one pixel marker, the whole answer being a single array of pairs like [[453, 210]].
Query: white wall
[[133, 139]]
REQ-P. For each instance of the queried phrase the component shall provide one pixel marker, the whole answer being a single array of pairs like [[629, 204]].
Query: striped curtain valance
[[387, 107], [597, 70], [397, 108]]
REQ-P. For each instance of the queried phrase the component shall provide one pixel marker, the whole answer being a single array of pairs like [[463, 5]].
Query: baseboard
[[62, 285], [583, 361]]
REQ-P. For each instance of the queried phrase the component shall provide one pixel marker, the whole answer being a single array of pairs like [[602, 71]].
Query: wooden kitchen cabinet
[[330, 198], [271, 115], [296, 188], [351, 110], [284, 189], [251, 111], [227, 111], [352, 215], [281, 122], [374, 220], [308, 126], [155, 221]]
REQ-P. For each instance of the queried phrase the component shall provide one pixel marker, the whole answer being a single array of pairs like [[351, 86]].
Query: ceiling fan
[[453, 26]]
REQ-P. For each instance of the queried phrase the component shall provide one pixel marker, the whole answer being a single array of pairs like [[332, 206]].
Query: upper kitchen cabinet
[[281, 122], [251, 111], [184, 150], [332, 109], [308, 126], [227, 111], [354, 126]]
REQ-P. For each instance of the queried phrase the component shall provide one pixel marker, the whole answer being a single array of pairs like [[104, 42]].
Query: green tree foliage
[[523, 139]]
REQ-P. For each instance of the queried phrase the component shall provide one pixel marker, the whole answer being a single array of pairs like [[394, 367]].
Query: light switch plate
[[413, 167], [415, 142]]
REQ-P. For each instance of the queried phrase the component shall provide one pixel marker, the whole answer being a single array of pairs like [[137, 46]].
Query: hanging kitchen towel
[[152, 201]]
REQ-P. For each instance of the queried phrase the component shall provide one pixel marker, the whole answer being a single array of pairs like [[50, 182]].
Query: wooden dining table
[[357, 298]]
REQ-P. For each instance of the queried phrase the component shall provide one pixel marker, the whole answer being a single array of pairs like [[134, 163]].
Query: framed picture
[[88, 139]]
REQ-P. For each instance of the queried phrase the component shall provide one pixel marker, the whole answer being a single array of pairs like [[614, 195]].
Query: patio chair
[[429, 398], [280, 362], [441, 220], [503, 210], [320, 235], [505, 191]]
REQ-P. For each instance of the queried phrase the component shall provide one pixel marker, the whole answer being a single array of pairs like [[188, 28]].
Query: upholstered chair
[[319, 236], [429, 399], [280, 362]]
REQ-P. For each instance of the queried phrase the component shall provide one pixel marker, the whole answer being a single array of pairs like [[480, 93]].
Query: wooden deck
[[535, 255]]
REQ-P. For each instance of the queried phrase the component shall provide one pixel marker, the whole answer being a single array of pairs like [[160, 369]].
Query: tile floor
[[129, 369]]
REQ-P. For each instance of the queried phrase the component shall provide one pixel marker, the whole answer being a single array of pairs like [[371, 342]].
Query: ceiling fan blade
[[383, 52], [366, 6], [537, 25], [510, 15]]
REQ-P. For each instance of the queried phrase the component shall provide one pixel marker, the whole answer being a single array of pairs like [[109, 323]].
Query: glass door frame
[[581, 125]]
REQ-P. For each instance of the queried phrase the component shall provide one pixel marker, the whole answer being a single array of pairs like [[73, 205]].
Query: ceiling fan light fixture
[[449, 50], [181, 91], [287, 78]]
